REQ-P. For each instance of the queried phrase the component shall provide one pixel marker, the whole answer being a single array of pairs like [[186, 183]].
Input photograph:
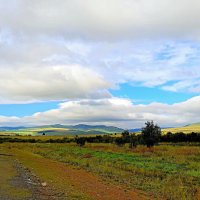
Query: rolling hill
[[195, 127], [58, 129], [84, 129]]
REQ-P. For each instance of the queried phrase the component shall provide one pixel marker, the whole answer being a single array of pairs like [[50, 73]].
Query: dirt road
[[19, 183], [32, 177]]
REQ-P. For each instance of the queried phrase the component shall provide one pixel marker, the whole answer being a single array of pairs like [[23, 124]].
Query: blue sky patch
[[21, 110], [145, 95]]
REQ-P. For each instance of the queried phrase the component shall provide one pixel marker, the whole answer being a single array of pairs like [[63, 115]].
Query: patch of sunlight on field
[[33, 131], [46, 129], [186, 129]]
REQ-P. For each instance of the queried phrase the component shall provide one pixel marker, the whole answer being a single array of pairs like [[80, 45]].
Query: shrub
[[80, 141], [119, 141]]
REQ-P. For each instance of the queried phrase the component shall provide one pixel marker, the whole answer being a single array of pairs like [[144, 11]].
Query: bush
[[119, 141], [80, 141]]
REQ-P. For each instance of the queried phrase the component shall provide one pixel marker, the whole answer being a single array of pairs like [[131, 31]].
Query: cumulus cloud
[[145, 63], [113, 111], [30, 84]]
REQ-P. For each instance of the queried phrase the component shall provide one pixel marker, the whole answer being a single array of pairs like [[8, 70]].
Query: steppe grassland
[[184, 129], [167, 171]]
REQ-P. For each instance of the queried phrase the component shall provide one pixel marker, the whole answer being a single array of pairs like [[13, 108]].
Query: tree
[[125, 133], [133, 140], [126, 136], [120, 141], [80, 141], [151, 134]]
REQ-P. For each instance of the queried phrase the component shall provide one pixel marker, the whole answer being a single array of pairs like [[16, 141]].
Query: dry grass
[[7, 174], [184, 129], [75, 182], [167, 172]]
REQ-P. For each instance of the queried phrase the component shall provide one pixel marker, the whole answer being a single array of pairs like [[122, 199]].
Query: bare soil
[[47, 179], [23, 180]]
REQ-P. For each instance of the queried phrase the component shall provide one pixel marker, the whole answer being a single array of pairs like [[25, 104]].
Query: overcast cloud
[[95, 19]]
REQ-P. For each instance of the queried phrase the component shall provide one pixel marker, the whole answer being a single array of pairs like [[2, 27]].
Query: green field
[[168, 171], [164, 172]]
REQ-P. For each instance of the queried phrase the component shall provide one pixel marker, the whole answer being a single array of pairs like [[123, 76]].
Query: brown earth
[[19, 183], [63, 181]]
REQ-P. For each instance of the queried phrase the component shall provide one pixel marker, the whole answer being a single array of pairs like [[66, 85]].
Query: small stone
[[44, 184]]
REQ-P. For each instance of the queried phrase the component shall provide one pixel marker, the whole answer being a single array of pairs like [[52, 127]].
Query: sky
[[116, 62]]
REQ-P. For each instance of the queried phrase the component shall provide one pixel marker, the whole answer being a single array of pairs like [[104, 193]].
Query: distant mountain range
[[7, 128], [66, 129], [83, 129], [194, 124], [59, 129], [134, 130]]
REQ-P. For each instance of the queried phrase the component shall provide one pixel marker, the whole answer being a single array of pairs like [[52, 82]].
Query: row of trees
[[150, 135], [180, 137]]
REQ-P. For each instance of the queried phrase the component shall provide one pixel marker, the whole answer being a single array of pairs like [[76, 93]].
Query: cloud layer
[[153, 44], [102, 19], [113, 111], [76, 51]]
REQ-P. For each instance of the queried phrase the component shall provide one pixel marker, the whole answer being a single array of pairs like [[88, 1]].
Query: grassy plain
[[184, 129], [68, 181], [163, 172], [36, 131]]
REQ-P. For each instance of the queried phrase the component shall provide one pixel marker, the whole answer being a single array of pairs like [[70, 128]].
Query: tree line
[[150, 136]]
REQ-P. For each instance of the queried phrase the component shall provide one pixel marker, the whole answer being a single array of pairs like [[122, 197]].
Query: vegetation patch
[[7, 174], [160, 171]]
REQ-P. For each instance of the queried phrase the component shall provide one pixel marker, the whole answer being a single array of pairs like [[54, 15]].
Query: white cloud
[[149, 64], [96, 67], [120, 40], [50, 83], [189, 85], [77, 50], [102, 19], [10, 121], [113, 111]]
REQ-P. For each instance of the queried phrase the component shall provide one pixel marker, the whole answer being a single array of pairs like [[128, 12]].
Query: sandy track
[[75, 183], [19, 183], [26, 171]]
